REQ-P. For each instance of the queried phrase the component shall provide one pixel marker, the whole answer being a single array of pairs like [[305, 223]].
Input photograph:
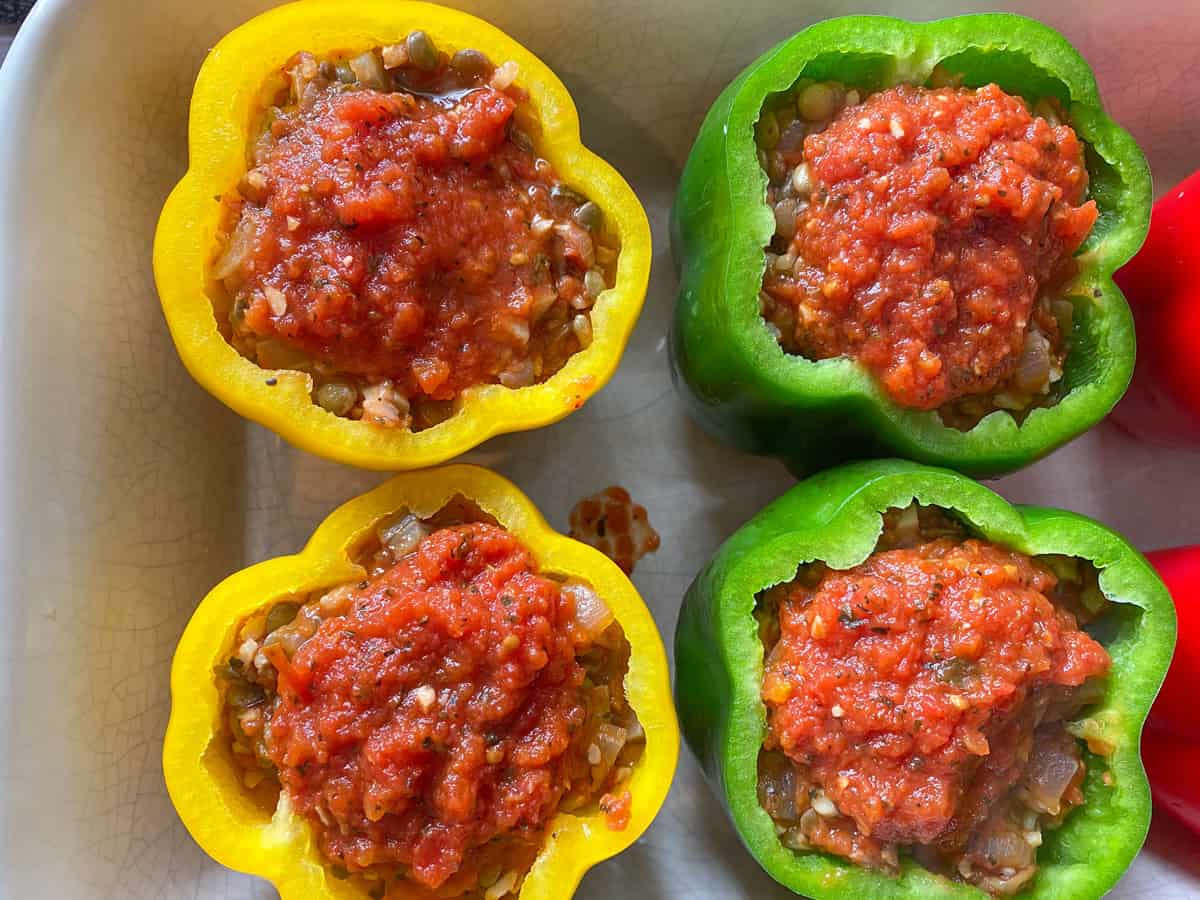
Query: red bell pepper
[[1171, 741], [1171, 767], [1162, 286], [1175, 710]]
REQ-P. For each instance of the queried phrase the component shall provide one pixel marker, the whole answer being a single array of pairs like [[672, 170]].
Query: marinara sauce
[[929, 221], [897, 683], [402, 233], [438, 713]]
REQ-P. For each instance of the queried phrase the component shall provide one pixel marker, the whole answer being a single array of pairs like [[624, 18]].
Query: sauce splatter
[[616, 526]]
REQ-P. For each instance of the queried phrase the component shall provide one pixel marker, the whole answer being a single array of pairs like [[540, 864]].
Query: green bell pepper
[[745, 389], [835, 516]]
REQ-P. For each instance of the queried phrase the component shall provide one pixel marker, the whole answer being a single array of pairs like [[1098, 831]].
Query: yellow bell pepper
[[227, 101], [205, 783]]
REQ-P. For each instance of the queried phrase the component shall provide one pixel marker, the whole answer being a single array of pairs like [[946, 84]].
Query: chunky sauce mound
[[896, 684], [408, 237], [936, 217], [437, 713]]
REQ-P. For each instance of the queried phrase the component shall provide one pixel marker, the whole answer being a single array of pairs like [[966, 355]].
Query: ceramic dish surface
[[127, 492]]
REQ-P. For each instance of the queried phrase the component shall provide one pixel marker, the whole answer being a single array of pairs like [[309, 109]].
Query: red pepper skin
[[1162, 285], [1175, 710], [1171, 767], [1171, 741]]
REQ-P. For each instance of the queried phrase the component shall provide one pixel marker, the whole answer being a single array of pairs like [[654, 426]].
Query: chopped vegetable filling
[[917, 702], [927, 233], [431, 720], [398, 237]]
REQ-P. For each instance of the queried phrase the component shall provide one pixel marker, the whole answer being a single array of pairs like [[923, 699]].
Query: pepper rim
[[843, 530], [795, 384], [237, 833], [226, 93]]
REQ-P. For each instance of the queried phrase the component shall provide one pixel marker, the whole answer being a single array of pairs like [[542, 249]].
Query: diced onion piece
[[610, 739], [395, 55], [1064, 312], [276, 299], [810, 820], [1045, 109], [246, 651], [777, 788], [518, 375], [593, 283], [517, 329], [241, 243], [293, 635], [592, 613], [253, 186], [577, 244], [369, 70], [425, 696], [505, 75], [503, 886], [544, 297], [824, 806], [383, 404], [785, 217], [1053, 765], [302, 72], [802, 180], [908, 525], [582, 326], [1002, 843], [1033, 367], [337, 601], [1010, 401], [403, 536], [1007, 883]]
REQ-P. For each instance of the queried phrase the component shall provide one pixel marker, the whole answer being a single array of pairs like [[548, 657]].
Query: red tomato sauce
[[438, 713], [893, 683], [617, 810], [936, 217], [400, 236]]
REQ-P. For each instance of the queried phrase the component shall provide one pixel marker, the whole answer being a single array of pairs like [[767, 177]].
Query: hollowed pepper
[[738, 381], [835, 517], [235, 829], [227, 102]]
